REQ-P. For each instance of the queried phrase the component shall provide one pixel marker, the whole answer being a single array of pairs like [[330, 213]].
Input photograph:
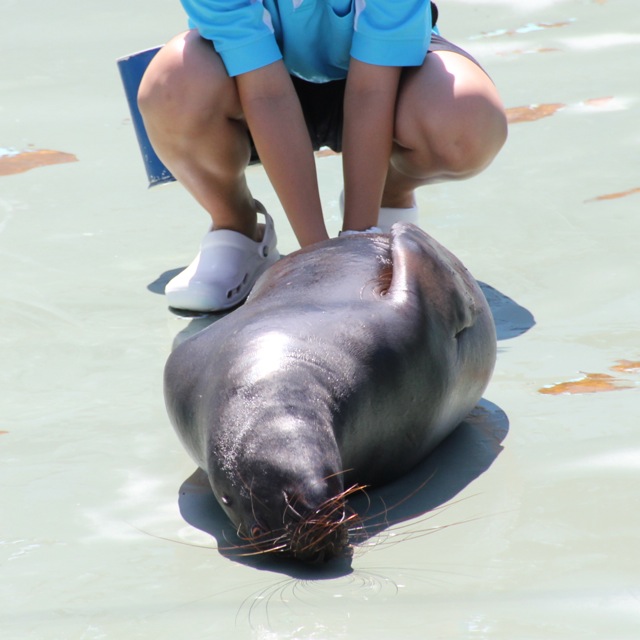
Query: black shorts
[[322, 103]]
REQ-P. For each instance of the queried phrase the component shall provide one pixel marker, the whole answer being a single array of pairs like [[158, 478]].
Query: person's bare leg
[[450, 124], [192, 114]]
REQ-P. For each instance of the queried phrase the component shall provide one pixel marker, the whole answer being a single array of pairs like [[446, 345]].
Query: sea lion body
[[348, 363]]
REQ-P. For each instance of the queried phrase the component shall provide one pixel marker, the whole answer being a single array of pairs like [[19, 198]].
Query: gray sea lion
[[348, 363]]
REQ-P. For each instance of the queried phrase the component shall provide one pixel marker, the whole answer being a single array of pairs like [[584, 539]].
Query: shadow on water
[[510, 318], [467, 453], [462, 457], [158, 285]]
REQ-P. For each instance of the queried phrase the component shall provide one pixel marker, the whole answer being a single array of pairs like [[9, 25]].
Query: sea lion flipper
[[425, 271]]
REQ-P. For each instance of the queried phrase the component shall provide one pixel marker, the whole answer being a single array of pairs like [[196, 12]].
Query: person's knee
[[184, 84], [465, 145], [150, 98], [471, 150], [157, 84], [450, 138]]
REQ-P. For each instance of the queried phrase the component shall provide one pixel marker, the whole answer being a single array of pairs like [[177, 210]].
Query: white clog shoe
[[224, 271], [388, 216]]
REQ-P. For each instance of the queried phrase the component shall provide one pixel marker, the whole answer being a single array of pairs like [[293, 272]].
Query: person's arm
[[275, 119], [369, 113]]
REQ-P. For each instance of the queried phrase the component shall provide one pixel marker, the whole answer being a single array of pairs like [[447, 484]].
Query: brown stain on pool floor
[[19, 162], [521, 52], [626, 366], [615, 196], [596, 382], [533, 112], [590, 383]]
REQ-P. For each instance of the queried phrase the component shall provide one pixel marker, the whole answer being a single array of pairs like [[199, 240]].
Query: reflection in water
[[311, 609], [527, 28], [335, 608]]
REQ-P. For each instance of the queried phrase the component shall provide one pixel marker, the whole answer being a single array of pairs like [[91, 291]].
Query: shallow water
[[536, 531]]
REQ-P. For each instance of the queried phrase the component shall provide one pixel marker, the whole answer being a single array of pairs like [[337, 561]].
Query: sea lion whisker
[[166, 539], [253, 499], [406, 531], [384, 512], [355, 488], [320, 545], [232, 544], [338, 502], [267, 543], [432, 513], [247, 542], [262, 552], [342, 472], [327, 526], [414, 535], [322, 513], [346, 493], [264, 537], [404, 499], [291, 508]]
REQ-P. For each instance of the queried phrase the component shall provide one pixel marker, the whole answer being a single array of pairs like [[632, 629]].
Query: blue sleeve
[[241, 32], [392, 32]]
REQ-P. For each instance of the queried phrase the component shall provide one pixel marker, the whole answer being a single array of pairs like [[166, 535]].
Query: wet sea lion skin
[[349, 362]]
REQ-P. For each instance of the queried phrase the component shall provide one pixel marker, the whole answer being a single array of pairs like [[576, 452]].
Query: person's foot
[[225, 270]]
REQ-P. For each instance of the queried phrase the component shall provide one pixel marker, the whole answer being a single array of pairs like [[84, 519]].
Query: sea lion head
[[285, 494]]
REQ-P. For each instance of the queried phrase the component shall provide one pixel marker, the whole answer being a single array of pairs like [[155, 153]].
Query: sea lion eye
[[226, 500]]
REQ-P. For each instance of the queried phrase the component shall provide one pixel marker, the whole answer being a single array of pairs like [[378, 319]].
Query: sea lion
[[350, 360]]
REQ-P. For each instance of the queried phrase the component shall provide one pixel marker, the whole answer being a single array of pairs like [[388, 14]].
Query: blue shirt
[[315, 38]]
